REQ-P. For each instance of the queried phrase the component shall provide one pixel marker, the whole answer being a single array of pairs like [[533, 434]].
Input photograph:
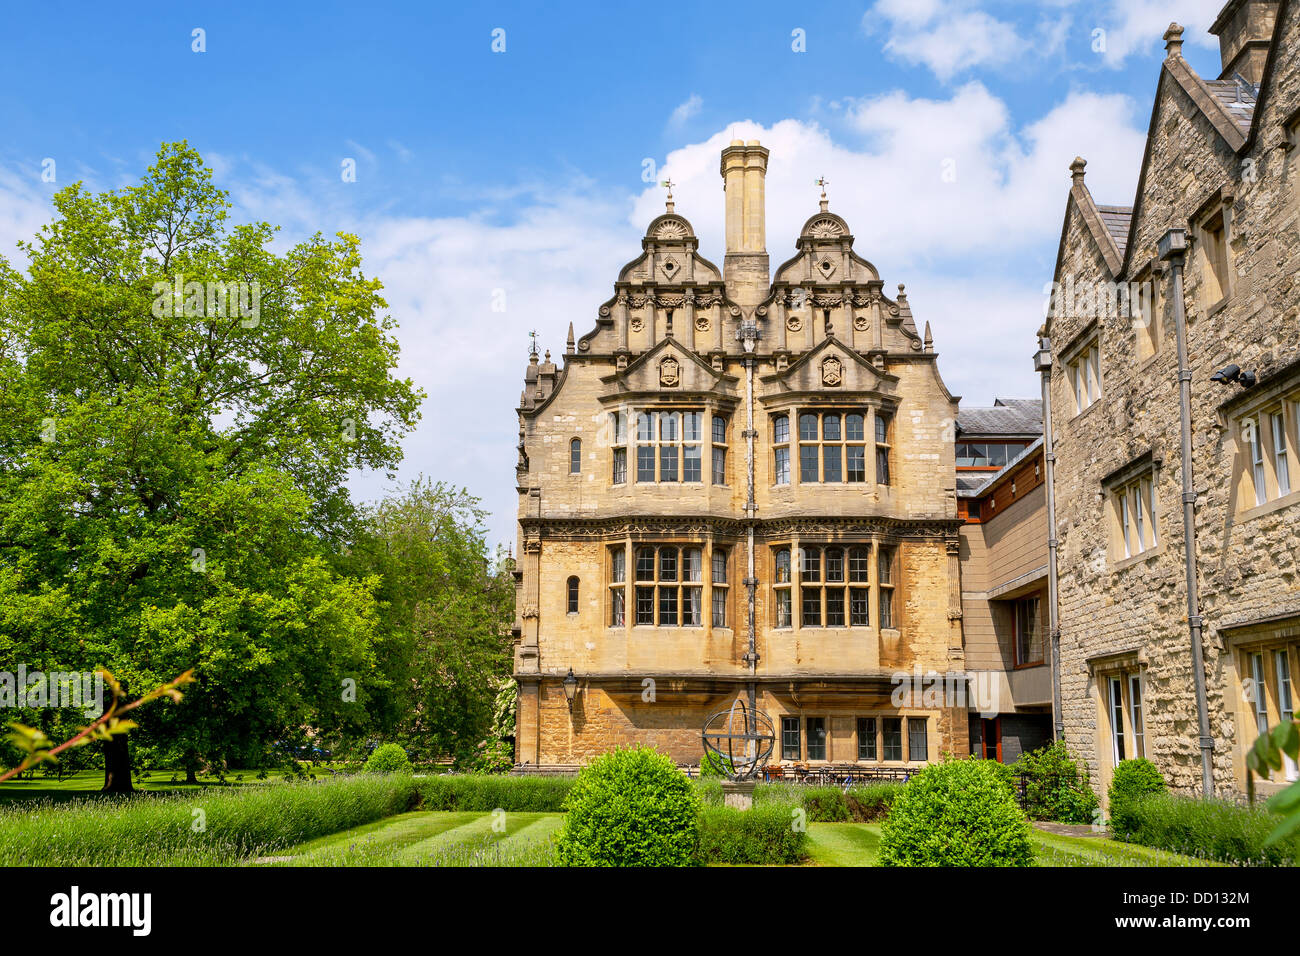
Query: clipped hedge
[[1134, 781], [956, 813], [1215, 830], [861, 803], [235, 824], [767, 834], [487, 792]]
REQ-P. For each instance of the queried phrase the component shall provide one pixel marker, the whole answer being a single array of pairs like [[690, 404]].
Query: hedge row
[[487, 792], [1213, 830], [766, 834]]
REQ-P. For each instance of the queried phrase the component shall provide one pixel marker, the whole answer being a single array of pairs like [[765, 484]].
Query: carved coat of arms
[[832, 371], [670, 372]]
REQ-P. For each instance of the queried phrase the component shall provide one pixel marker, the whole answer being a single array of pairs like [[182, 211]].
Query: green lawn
[[858, 844], [87, 783]]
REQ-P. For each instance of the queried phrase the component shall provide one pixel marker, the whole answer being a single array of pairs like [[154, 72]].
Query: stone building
[[1221, 163], [740, 483], [1001, 496]]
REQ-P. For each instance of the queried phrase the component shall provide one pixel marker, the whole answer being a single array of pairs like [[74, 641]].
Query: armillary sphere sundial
[[742, 738]]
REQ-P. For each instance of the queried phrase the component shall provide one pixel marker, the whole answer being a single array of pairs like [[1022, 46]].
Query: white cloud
[[684, 111], [1138, 26]]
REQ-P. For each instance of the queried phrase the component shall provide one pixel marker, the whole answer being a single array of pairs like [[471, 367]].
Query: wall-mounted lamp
[[570, 689]]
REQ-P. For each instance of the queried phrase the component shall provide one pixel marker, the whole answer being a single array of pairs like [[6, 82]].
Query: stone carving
[[825, 229], [794, 323], [701, 323], [670, 266], [860, 323], [670, 372], [826, 267], [832, 371], [672, 229], [636, 323]]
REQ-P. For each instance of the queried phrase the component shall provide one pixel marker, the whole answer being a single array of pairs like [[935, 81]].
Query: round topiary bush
[[1133, 780], [956, 813], [630, 808], [714, 765], [388, 758]]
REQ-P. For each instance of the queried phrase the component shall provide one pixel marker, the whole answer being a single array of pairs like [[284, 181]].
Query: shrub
[[956, 813], [630, 808], [1056, 786], [762, 835], [388, 758], [1133, 781], [871, 801], [713, 765], [825, 804], [1214, 830], [485, 793]]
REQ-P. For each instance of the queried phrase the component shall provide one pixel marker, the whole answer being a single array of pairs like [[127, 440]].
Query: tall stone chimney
[[745, 268], [1244, 29]]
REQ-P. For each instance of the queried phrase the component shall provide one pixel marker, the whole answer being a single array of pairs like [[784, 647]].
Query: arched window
[[573, 595], [575, 456]]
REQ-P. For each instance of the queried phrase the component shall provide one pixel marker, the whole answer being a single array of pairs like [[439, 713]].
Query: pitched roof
[[1007, 416], [1117, 219], [1237, 97]]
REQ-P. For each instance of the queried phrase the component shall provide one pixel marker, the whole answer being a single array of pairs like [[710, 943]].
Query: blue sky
[[945, 127]]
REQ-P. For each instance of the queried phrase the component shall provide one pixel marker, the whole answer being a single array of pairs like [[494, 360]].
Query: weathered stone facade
[[1221, 163], [727, 455]]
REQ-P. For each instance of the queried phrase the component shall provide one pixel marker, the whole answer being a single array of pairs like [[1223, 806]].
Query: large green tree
[[446, 608], [182, 404]]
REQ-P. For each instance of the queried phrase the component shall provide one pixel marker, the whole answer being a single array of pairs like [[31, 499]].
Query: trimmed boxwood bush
[[1213, 830], [388, 758], [762, 835], [1133, 781], [630, 808], [1056, 785], [956, 813], [487, 792]]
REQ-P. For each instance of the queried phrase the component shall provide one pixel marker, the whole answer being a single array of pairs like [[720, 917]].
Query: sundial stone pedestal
[[738, 794]]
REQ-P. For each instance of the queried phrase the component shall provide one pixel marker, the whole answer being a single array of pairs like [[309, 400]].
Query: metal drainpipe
[[1173, 249], [1043, 363], [749, 339]]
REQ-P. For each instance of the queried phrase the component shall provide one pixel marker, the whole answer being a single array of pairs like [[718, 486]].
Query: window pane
[[620, 427], [834, 607], [620, 465], [719, 566], [917, 746], [816, 738], [616, 607], [645, 605], [720, 608], [617, 566], [831, 428], [977, 455], [645, 462], [1281, 465], [691, 463], [693, 606], [857, 462], [997, 455], [645, 564], [858, 613], [892, 737], [783, 608], [812, 606], [575, 456], [859, 564], [853, 428], [644, 427], [667, 607], [832, 460], [691, 424], [866, 738], [667, 462], [807, 427], [886, 565], [719, 466], [668, 426], [692, 564], [719, 430], [807, 463], [882, 428], [667, 564], [790, 742], [834, 564], [780, 429], [783, 566], [573, 595], [810, 565], [782, 466], [882, 466]]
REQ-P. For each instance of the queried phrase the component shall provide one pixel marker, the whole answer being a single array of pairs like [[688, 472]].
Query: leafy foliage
[[486, 793], [1265, 755], [388, 758], [1215, 830], [1056, 785], [1133, 781], [715, 765], [764, 835], [956, 813], [630, 808]]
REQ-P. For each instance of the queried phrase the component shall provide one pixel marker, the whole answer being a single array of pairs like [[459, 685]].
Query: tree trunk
[[190, 775], [117, 765]]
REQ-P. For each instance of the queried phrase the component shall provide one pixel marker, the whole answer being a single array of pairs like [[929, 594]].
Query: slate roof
[[1116, 220], [1237, 97], [1007, 417]]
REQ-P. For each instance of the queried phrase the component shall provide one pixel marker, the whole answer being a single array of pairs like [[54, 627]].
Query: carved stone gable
[[832, 371]]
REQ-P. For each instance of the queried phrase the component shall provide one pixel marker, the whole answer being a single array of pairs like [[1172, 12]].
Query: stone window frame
[[1251, 412], [912, 721], [874, 756], [1268, 639], [1081, 366], [625, 462], [678, 586], [573, 593], [1132, 512], [788, 577], [618, 586], [1148, 330], [575, 456], [718, 458], [797, 721], [821, 444], [1211, 229], [826, 749], [786, 461], [630, 546], [720, 587], [1123, 666]]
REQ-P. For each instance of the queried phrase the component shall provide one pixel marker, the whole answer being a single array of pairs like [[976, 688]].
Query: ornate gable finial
[[823, 182], [668, 203], [568, 346], [929, 339]]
